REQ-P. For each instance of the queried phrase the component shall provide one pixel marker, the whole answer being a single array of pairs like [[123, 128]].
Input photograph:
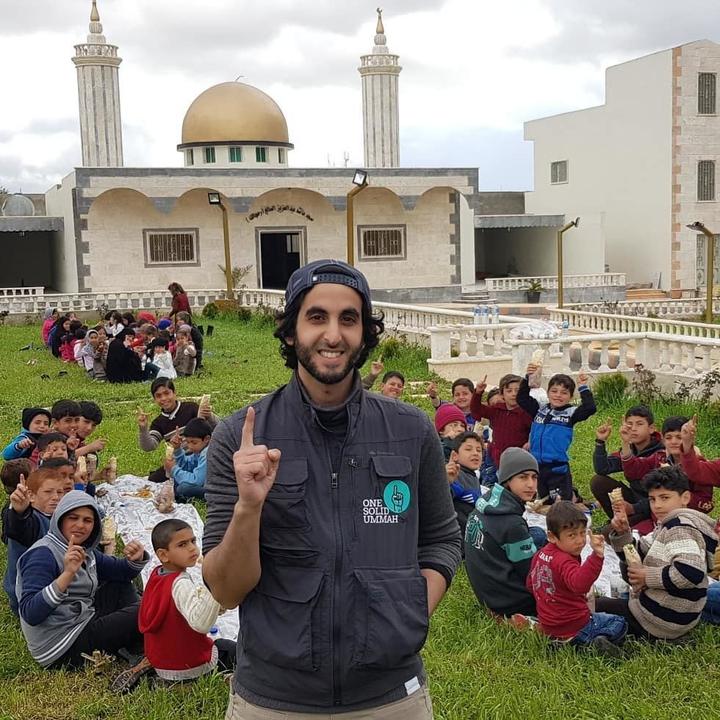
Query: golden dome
[[233, 112]]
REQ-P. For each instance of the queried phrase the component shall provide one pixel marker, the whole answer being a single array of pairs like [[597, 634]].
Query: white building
[[637, 170]]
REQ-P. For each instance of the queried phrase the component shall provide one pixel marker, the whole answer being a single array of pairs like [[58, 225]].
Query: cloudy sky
[[473, 71]]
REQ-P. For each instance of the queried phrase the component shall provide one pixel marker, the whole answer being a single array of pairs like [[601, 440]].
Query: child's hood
[[499, 501], [76, 499], [155, 605]]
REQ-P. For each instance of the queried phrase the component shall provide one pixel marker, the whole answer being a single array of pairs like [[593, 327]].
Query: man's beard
[[304, 356]]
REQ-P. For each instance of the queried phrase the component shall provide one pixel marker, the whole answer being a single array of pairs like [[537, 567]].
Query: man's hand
[[597, 543], [142, 419], [637, 575], [688, 433], [481, 386], [255, 466], [74, 557], [583, 378], [453, 470], [25, 443], [376, 366], [134, 551], [604, 431], [19, 499]]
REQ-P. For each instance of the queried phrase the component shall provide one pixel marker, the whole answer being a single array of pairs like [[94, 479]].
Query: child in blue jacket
[[189, 469], [35, 422], [551, 432]]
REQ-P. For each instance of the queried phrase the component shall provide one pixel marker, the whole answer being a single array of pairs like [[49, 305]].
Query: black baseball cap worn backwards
[[327, 271]]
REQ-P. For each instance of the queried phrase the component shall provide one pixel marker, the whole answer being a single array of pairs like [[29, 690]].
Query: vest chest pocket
[[391, 475], [277, 618], [285, 503]]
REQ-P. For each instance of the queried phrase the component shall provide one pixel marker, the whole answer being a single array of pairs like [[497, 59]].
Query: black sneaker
[[602, 646]]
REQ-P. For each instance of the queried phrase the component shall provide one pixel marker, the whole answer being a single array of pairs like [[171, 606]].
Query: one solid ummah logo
[[395, 500]]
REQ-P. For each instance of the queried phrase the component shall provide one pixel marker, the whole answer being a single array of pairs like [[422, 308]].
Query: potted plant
[[533, 290]]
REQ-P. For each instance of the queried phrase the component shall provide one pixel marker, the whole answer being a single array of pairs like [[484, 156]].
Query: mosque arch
[[116, 202], [431, 195]]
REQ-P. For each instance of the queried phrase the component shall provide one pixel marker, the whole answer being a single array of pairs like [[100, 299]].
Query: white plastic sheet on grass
[[136, 517]]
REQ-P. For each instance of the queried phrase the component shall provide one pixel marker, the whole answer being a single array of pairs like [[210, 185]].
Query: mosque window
[[382, 242], [559, 172], [171, 247], [706, 93], [706, 180], [210, 155], [235, 154], [189, 157], [260, 154], [281, 155]]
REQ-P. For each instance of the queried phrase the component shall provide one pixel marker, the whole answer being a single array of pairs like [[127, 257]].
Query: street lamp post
[[709, 270], [563, 229], [214, 198], [360, 180]]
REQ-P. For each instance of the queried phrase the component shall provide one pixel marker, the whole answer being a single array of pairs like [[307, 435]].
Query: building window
[[281, 155], [706, 93], [210, 155], [189, 157], [706, 180], [559, 172], [260, 154], [235, 154], [382, 243], [171, 247]]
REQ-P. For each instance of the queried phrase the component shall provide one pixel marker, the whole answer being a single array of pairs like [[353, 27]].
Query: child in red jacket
[[636, 467], [176, 614], [560, 584]]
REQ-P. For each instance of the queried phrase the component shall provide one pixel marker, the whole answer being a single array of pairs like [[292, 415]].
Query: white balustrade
[[598, 322], [549, 282], [470, 342], [20, 291], [678, 308]]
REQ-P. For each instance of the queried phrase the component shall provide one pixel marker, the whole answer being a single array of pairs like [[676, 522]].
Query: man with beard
[[329, 522]]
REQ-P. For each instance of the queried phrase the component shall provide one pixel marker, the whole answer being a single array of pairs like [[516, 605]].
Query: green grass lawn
[[476, 669]]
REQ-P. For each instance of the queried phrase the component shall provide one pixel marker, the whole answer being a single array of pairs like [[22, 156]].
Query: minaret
[[99, 95], [379, 72]]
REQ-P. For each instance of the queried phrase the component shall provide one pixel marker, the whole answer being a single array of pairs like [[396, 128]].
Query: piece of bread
[[169, 450], [616, 495], [632, 557]]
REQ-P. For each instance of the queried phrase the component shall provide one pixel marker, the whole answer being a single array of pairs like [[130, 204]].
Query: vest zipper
[[337, 586]]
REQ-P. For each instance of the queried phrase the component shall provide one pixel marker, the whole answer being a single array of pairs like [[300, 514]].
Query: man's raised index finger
[[248, 432]]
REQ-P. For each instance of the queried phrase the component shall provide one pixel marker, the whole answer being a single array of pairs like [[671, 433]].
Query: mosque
[[419, 233]]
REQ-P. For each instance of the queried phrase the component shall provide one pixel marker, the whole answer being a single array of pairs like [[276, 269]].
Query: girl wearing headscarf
[[50, 316]]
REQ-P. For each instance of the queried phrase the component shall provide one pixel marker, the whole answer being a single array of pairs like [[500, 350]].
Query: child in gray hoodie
[[72, 598]]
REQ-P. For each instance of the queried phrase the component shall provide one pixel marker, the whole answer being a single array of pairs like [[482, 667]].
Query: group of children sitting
[[658, 513], [74, 597], [71, 595], [125, 348]]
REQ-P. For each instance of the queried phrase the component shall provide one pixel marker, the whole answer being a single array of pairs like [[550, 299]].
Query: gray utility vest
[[340, 612]]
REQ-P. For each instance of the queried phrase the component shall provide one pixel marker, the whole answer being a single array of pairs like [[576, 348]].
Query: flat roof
[[31, 223], [519, 221]]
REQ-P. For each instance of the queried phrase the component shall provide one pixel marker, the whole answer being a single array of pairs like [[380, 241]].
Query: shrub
[[210, 311], [389, 348], [610, 389]]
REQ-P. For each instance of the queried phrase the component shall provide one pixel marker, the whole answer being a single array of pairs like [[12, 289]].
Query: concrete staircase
[[645, 294]]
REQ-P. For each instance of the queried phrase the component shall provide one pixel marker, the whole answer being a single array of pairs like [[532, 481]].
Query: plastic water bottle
[[476, 315], [484, 314], [496, 314], [565, 328], [214, 633]]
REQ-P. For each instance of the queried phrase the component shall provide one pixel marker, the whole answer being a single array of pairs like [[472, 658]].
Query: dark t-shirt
[[163, 427]]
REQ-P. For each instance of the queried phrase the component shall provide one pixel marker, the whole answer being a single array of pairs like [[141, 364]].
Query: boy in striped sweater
[[670, 585]]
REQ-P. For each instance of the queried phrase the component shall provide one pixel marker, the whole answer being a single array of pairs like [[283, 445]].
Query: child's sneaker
[[522, 622], [604, 647]]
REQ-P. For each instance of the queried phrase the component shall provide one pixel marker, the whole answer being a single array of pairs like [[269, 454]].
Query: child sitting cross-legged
[[73, 599], [498, 543], [670, 578], [463, 471], [560, 584], [188, 467], [176, 614]]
